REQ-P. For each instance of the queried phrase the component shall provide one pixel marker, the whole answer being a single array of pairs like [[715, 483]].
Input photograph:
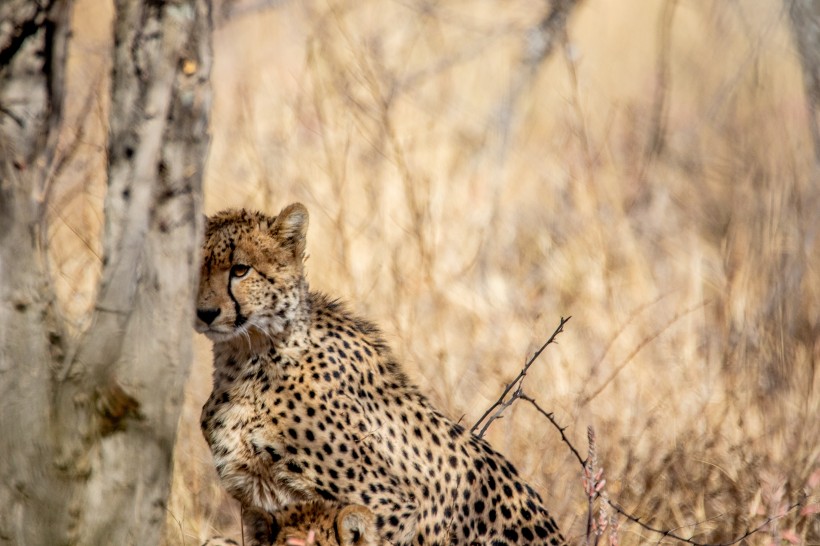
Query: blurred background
[[653, 176]]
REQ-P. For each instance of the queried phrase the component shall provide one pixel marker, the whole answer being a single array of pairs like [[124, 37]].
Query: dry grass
[[466, 218]]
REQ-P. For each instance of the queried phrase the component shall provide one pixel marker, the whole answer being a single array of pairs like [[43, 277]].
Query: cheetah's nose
[[207, 315]]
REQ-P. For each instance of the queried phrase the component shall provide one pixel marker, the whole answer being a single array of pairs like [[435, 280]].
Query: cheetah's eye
[[240, 270]]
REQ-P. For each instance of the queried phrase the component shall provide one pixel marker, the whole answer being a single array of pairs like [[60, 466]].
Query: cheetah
[[309, 403], [317, 523]]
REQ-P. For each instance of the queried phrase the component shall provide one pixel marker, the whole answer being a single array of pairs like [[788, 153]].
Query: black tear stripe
[[240, 318]]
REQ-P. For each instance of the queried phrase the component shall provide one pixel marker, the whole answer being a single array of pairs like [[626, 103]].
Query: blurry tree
[[87, 425], [541, 42], [805, 17]]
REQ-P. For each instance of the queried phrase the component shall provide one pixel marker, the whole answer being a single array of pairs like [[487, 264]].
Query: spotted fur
[[308, 403], [317, 523]]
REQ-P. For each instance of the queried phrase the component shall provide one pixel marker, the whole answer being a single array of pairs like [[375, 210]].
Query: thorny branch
[[560, 429], [501, 404]]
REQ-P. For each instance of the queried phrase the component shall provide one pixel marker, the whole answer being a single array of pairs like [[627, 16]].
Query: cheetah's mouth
[[218, 333], [253, 329], [247, 330]]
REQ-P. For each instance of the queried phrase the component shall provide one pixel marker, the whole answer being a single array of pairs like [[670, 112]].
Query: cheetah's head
[[252, 276], [321, 523], [316, 523]]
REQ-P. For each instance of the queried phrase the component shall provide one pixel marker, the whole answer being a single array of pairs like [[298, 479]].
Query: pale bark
[[30, 338], [88, 425]]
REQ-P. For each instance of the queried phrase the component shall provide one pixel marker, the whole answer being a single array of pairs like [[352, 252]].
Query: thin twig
[[561, 429], [632, 316], [500, 405], [679, 527], [621, 365]]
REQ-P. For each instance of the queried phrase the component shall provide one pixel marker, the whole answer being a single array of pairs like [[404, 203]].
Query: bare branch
[[540, 43], [231, 9], [560, 429], [542, 39], [501, 404], [621, 328], [621, 365]]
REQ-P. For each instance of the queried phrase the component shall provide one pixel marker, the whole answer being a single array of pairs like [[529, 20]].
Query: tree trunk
[[87, 426], [805, 18]]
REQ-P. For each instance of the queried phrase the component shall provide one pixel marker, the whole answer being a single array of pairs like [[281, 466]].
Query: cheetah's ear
[[290, 228], [356, 526]]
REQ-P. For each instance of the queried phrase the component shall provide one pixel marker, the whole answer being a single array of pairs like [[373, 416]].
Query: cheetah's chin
[[218, 336], [252, 333]]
